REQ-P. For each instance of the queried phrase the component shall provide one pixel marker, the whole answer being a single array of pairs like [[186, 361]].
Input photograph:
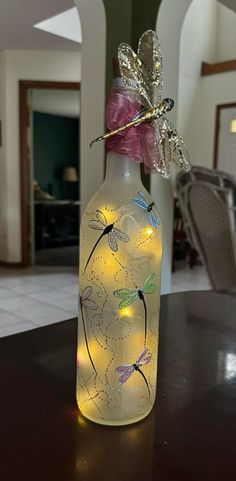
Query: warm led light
[[110, 214], [82, 356], [81, 421], [149, 231], [127, 312], [120, 273], [233, 126]]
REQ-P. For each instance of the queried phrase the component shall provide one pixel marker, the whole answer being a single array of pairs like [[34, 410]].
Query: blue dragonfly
[[142, 202]]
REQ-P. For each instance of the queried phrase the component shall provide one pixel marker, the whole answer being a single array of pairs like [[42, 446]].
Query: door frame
[[24, 86], [219, 108]]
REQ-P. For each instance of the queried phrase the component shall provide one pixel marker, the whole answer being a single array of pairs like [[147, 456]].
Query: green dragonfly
[[129, 295]]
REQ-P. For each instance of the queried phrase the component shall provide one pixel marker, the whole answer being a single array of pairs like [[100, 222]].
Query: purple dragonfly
[[128, 370], [114, 234], [87, 303]]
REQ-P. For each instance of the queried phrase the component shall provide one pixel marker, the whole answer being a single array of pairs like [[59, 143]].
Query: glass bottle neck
[[121, 166]]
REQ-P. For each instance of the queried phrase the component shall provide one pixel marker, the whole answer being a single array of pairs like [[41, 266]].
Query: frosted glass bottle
[[120, 273]]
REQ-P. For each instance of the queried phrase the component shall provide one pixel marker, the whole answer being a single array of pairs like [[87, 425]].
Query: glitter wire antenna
[[143, 72]]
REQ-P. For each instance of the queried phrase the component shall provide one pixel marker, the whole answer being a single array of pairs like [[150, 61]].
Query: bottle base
[[116, 423]]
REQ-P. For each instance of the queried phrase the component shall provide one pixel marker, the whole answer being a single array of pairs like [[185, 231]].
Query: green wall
[[126, 21], [119, 28], [144, 17], [56, 146]]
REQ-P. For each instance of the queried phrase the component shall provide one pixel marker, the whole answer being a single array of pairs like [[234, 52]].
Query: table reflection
[[129, 451]]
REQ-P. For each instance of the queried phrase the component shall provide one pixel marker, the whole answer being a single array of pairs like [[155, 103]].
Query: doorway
[[225, 138], [49, 147]]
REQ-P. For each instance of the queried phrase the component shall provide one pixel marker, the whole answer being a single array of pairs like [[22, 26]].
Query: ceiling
[[17, 18], [229, 3]]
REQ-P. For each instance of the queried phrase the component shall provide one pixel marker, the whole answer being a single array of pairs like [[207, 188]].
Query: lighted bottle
[[120, 275]]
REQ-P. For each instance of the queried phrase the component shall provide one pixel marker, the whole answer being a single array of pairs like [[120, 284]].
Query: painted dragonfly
[[142, 202], [128, 370], [87, 303], [129, 295], [143, 73], [114, 234]]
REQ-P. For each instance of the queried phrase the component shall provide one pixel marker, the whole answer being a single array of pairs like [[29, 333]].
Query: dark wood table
[[189, 436]]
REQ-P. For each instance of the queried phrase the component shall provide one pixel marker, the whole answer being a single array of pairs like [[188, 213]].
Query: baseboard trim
[[14, 265]]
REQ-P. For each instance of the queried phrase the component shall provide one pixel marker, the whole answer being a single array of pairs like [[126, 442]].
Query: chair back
[[207, 202]]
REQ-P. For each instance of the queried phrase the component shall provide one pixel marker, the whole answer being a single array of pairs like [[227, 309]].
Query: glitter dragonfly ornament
[[143, 73], [128, 370]]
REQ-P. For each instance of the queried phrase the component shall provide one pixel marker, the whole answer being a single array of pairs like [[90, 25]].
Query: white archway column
[[93, 25], [169, 25]]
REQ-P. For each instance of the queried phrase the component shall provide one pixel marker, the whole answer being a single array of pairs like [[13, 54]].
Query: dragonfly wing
[[131, 69], [128, 300], [124, 292], [149, 52], [145, 360], [149, 281], [140, 202], [142, 356], [124, 368], [96, 224], [101, 217], [86, 293], [122, 236], [154, 220], [140, 194], [161, 152], [112, 242], [179, 152], [150, 289], [126, 375], [90, 304]]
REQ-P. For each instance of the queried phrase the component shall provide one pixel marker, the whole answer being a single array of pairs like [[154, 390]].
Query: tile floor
[[186, 279], [38, 296], [35, 297]]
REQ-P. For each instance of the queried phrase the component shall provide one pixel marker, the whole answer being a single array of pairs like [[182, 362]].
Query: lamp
[[121, 247], [70, 174], [233, 126]]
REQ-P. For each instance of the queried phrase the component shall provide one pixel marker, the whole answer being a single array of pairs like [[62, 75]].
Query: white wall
[[168, 28], [226, 34], [199, 96], [197, 44], [28, 65], [195, 97], [212, 91], [56, 102], [93, 23], [3, 196], [60, 66]]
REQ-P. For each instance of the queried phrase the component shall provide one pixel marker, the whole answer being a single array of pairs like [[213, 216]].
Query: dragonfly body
[[149, 209]]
